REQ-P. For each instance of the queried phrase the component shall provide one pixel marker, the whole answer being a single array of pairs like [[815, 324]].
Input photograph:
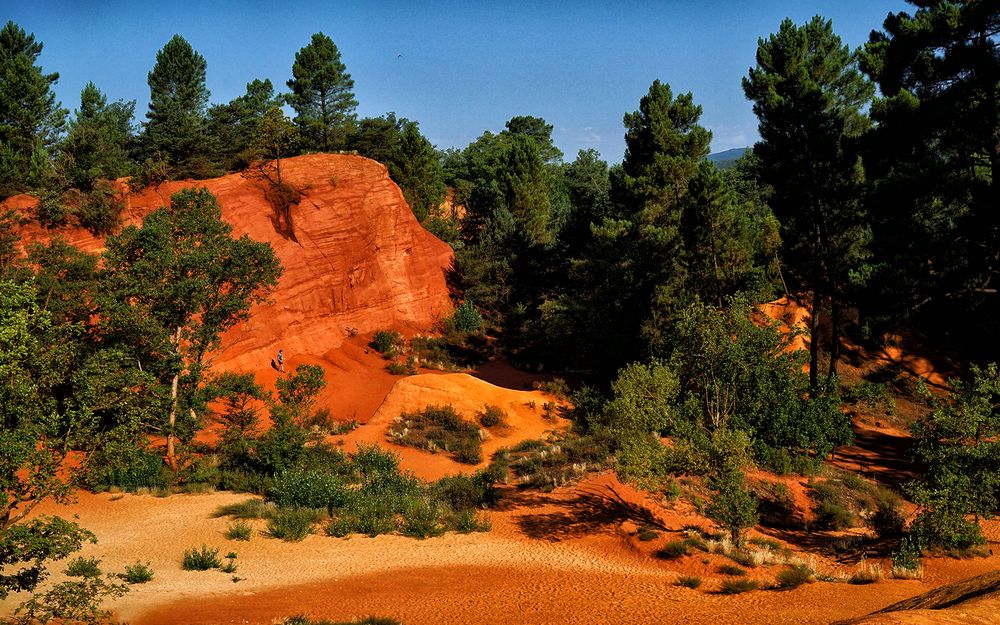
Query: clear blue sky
[[458, 68]]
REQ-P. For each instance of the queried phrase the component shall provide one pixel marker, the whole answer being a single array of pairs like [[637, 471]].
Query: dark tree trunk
[[834, 337]]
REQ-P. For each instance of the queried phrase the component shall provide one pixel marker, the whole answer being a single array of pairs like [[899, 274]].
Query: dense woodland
[[875, 187]]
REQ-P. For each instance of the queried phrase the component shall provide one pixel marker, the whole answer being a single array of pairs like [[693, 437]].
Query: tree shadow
[[597, 509]]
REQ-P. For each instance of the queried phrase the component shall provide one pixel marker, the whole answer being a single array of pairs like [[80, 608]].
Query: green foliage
[[738, 585], [321, 95], [84, 567], [795, 575], [809, 97], [309, 489], [871, 395], [492, 416], [250, 509], [466, 318], [97, 145], [176, 125], [137, 573], [423, 520], [689, 581], [731, 569], [124, 462], [439, 427], [71, 601], [908, 555], [245, 128], [52, 213], [240, 530], [101, 210], [888, 520], [201, 559], [957, 443], [733, 506], [672, 550], [386, 342], [30, 117]]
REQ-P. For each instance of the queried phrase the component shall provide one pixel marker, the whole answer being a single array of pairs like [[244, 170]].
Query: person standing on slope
[[281, 360]]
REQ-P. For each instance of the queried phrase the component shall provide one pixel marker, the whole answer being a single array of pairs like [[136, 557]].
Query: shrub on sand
[[689, 581], [737, 585], [201, 559]]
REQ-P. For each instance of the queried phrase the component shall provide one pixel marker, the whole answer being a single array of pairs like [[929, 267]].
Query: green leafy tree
[[176, 122], [809, 97], [171, 288], [30, 117], [958, 445], [322, 95], [410, 158], [99, 140], [291, 411], [935, 159], [733, 506], [235, 126]]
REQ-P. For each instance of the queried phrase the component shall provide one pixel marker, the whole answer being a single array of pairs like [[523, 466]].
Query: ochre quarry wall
[[359, 258]]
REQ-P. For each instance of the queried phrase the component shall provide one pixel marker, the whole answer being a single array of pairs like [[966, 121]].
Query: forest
[[872, 198]]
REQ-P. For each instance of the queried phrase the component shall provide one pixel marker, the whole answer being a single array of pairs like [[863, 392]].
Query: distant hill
[[728, 158]]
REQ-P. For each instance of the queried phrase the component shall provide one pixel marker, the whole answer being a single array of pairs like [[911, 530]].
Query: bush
[[292, 524], [831, 510], [689, 581], [647, 533], [422, 520], [309, 489], [240, 530], [84, 567], [387, 342], [100, 212], [468, 521], [52, 213], [464, 492], [672, 550], [866, 574], [555, 386], [908, 555], [737, 585], [871, 395], [249, 509], [888, 520], [201, 560], [122, 463], [466, 318], [796, 575], [137, 573], [439, 427], [730, 569], [492, 416]]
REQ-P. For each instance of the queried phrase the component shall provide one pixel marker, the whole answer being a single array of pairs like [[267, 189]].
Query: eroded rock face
[[358, 259]]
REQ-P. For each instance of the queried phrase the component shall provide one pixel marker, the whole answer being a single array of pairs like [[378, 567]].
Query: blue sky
[[458, 68]]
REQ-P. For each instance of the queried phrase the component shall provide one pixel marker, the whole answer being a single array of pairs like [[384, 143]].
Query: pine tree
[[234, 125], [30, 117], [99, 139], [809, 95], [176, 122], [322, 94]]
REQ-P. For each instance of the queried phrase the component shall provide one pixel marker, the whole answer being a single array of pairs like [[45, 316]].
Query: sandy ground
[[564, 557]]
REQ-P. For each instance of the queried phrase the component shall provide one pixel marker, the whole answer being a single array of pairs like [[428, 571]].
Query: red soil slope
[[359, 259]]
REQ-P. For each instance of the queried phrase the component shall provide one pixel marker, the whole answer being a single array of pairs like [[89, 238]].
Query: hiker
[[281, 360]]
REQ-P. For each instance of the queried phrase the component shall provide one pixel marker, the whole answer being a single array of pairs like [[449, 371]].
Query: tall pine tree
[[322, 95], [176, 122], [809, 97]]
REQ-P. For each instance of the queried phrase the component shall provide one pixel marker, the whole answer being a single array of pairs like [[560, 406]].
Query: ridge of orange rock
[[359, 259]]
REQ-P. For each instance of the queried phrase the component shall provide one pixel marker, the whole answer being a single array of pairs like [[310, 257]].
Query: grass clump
[[796, 575], [137, 573], [866, 574], [423, 520], [689, 581], [492, 416], [731, 569], [737, 585], [439, 428], [249, 509], [292, 524], [647, 533], [201, 559], [673, 550], [240, 530], [84, 567], [387, 342]]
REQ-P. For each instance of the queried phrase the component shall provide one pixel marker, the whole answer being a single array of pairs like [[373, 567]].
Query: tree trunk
[[171, 455], [834, 338], [814, 340]]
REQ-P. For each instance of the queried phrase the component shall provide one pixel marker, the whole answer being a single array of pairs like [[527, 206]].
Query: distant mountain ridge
[[727, 158]]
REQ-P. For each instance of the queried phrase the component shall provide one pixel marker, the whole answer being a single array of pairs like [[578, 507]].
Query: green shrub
[[730, 569], [767, 543], [555, 386], [398, 368], [795, 575], [241, 481], [465, 492], [240, 530], [439, 427], [422, 520], [84, 567], [201, 559], [248, 509], [466, 318], [909, 554], [137, 573], [309, 489], [689, 581], [125, 464], [230, 565], [387, 342], [52, 213], [888, 520], [737, 585], [468, 521], [647, 533], [673, 550], [871, 395], [831, 510], [340, 526], [492, 416], [292, 524], [101, 211]]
